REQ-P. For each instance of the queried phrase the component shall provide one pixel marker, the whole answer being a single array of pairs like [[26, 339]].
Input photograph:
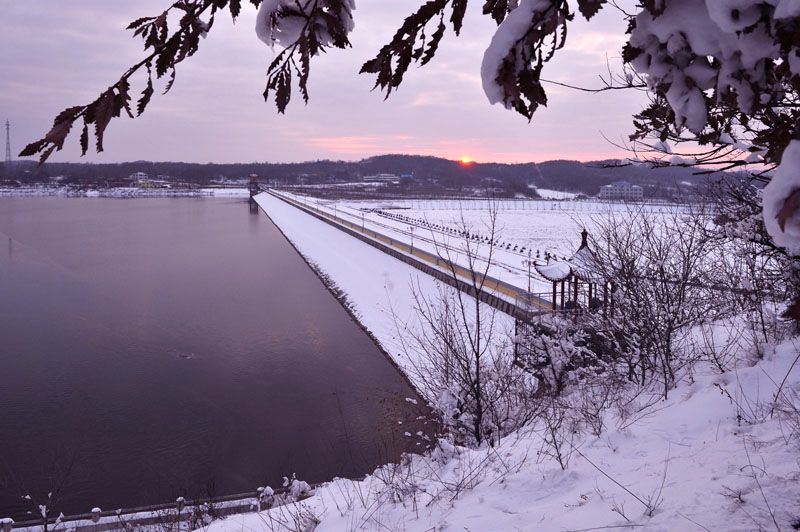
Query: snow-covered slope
[[683, 464], [720, 454]]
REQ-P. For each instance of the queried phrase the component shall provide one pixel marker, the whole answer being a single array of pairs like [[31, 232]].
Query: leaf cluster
[[770, 124], [414, 42], [166, 47], [418, 38]]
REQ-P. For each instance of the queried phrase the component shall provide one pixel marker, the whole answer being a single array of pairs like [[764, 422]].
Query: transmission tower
[[8, 146]]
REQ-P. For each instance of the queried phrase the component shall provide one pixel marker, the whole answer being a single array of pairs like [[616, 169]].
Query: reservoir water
[[152, 348]]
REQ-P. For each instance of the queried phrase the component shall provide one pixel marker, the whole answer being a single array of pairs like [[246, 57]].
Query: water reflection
[[173, 347]]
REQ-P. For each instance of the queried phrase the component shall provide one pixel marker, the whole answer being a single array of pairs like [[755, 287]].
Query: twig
[[655, 502], [609, 527], [632, 494], [693, 521], [763, 496], [641, 86], [780, 388]]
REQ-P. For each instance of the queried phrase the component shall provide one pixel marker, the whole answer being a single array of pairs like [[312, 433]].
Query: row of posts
[[7, 523]]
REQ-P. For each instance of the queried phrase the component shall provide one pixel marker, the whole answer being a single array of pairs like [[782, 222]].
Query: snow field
[[552, 227], [436, 242], [719, 454]]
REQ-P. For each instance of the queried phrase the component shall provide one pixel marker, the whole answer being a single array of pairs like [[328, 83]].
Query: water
[[152, 348]]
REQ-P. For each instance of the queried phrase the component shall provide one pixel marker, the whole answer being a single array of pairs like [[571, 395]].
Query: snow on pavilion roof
[[554, 271], [584, 265]]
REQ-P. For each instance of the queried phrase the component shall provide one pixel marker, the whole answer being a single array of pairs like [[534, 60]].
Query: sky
[[56, 54]]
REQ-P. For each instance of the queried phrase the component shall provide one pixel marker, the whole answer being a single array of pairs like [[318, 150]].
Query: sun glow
[[466, 160]]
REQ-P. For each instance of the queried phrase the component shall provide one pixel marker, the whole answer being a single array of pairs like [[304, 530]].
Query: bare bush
[[459, 357], [559, 430], [464, 370], [767, 276]]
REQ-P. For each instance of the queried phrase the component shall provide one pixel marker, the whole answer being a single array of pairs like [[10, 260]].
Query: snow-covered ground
[[523, 229], [227, 192], [554, 194], [720, 454], [412, 222], [679, 465]]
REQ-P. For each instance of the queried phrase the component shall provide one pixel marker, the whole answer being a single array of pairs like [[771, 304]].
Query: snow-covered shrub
[[557, 353], [458, 354], [658, 266], [463, 368], [762, 276], [583, 363]]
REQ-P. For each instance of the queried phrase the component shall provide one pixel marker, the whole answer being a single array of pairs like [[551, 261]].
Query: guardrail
[[169, 516]]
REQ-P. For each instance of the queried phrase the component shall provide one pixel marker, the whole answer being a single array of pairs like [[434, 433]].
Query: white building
[[621, 190], [139, 177], [381, 178]]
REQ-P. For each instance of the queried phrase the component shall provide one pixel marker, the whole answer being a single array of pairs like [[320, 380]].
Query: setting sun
[[466, 160]]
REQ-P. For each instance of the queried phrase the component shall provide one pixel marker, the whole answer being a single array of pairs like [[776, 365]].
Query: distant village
[[377, 183]]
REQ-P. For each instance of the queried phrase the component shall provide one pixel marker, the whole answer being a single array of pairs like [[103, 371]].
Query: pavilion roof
[[554, 271], [582, 264]]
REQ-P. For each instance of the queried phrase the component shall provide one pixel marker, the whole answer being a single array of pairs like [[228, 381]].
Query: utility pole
[[529, 263]]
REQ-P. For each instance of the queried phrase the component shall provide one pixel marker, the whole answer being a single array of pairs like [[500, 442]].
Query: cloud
[[597, 45], [347, 145], [64, 53]]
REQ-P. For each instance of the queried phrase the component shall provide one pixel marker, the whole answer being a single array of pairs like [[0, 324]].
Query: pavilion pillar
[[575, 288], [555, 285]]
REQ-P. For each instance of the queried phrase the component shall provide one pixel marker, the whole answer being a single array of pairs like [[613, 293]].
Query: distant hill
[[589, 177]]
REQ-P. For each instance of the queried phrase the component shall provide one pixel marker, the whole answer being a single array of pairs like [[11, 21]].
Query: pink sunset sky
[[54, 55]]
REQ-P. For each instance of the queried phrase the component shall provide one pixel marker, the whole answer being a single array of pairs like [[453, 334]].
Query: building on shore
[[621, 191], [138, 178], [142, 180], [381, 178]]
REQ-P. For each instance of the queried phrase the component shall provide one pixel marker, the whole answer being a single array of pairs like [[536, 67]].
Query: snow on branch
[[304, 28], [781, 199]]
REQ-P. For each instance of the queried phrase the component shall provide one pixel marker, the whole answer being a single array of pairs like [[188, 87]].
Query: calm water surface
[[152, 348]]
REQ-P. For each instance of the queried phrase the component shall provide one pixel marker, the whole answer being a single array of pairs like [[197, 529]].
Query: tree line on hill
[[430, 174]]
